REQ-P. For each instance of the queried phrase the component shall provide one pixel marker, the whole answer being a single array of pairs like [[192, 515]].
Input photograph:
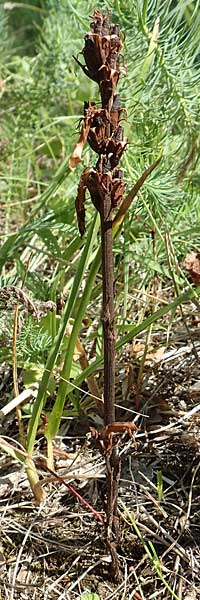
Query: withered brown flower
[[101, 127]]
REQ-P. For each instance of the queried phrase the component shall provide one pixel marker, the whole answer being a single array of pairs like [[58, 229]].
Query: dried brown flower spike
[[101, 127]]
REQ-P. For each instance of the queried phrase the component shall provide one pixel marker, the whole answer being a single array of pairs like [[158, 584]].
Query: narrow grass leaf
[[58, 339], [56, 413], [136, 329]]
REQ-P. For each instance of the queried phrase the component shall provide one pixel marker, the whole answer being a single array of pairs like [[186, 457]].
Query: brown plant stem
[[108, 310], [109, 337]]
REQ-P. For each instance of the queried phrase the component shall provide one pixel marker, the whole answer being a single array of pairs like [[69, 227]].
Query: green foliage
[[5, 42], [33, 342]]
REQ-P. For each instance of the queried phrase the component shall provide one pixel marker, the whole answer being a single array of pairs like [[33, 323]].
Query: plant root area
[[56, 550]]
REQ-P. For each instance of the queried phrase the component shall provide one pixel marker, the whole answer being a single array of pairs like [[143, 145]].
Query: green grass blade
[[160, 485], [58, 339], [9, 248], [126, 263], [6, 250], [134, 330], [64, 387], [150, 551]]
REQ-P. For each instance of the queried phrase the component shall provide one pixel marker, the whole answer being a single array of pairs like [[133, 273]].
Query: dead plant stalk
[[102, 129]]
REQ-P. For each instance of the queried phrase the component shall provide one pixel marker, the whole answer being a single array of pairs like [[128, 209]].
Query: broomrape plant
[[103, 130]]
